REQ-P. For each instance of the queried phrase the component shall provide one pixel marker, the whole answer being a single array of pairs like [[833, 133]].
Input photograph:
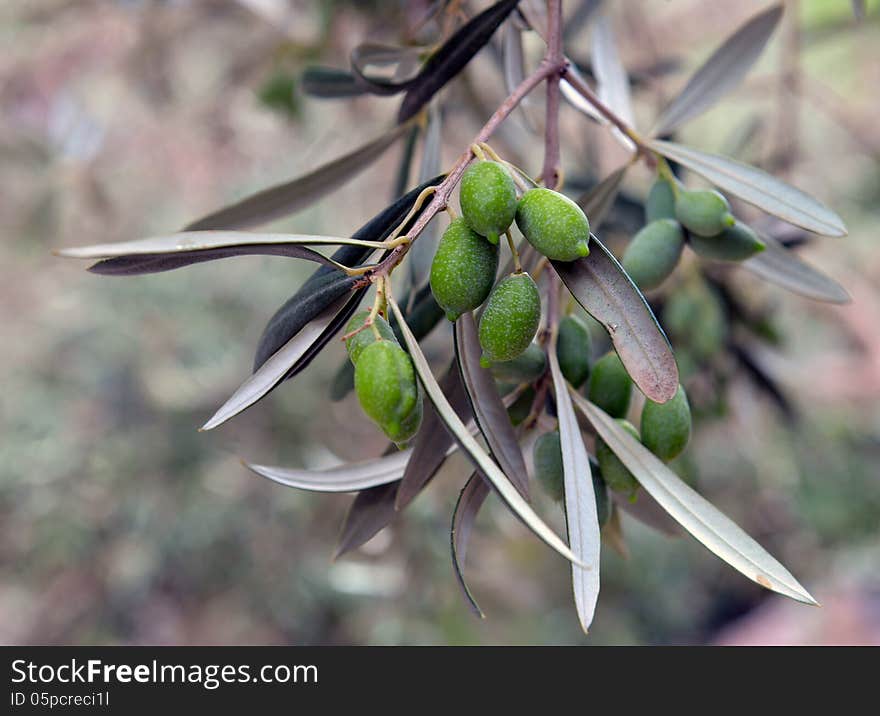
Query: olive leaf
[[646, 510], [709, 525], [581, 517], [600, 198], [467, 507], [612, 81], [487, 406], [601, 286], [576, 100], [782, 267], [403, 60], [452, 57], [330, 83], [300, 193], [756, 187], [721, 73], [513, 63], [404, 164], [472, 449], [349, 477], [371, 511]]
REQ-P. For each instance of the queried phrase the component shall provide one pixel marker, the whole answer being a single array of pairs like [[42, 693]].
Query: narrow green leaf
[[330, 83], [722, 72], [371, 511], [600, 198], [782, 266], [467, 507], [613, 83], [710, 526], [756, 187], [601, 286], [581, 517], [513, 62], [487, 406], [292, 196], [472, 449], [349, 477]]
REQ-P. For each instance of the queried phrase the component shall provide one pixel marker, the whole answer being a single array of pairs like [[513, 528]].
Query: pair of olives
[[466, 261], [384, 378], [712, 232]]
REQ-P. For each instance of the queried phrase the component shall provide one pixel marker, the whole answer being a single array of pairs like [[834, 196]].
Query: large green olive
[[573, 346], [553, 224], [610, 385], [614, 472], [488, 199], [705, 213], [653, 253], [736, 243], [386, 386], [365, 337], [463, 269], [666, 427], [510, 318]]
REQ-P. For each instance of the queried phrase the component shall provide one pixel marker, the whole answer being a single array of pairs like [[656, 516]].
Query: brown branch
[[555, 58]]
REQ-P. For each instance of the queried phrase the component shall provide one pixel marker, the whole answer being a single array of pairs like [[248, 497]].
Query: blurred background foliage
[[120, 523]]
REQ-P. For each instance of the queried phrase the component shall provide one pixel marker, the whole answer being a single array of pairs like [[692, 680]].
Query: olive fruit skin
[[705, 213], [653, 253], [488, 199], [660, 203], [610, 385], [547, 459], [463, 269], [666, 427], [363, 338], [527, 367], [614, 472], [510, 319], [553, 224], [386, 386], [736, 243], [573, 346]]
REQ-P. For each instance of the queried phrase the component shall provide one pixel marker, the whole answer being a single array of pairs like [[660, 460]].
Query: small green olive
[[488, 199], [610, 385], [666, 427], [614, 472], [510, 319], [553, 224], [695, 318], [548, 465], [736, 243], [386, 386], [660, 203], [705, 213], [463, 269], [573, 347], [363, 338], [653, 253]]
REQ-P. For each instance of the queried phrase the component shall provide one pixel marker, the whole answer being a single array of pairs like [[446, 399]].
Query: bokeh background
[[121, 524]]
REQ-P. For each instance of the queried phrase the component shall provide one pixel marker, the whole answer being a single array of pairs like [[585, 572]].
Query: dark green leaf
[[371, 511], [330, 83], [470, 500], [601, 286], [453, 56], [404, 60]]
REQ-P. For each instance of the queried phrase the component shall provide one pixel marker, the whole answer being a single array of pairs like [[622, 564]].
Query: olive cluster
[[465, 265], [675, 216]]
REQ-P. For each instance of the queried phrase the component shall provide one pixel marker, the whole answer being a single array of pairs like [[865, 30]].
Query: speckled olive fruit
[[547, 459], [573, 347], [653, 253], [488, 199], [610, 385], [386, 386], [660, 203], [614, 472], [666, 427], [510, 318], [553, 224], [521, 407], [705, 213], [363, 338], [737, 243], [525, 368], [463, 269]]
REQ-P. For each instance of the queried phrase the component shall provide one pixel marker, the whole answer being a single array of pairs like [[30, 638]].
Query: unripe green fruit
[[736, 243], [666, 427], [660, 203], [521, 407], [614, 472], [363, 338], [527, 367], [695, 318], [385, 383], [463, 269], [610, 385], [548, 465], [553, 224], [488, 199], [705, 213], [573, 347], [653, 253], [510, 318]]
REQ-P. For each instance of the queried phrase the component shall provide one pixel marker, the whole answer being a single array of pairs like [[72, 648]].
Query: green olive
[[488, 199], [386, 386], [614, 472], [521, 407], [660, 203], [666, 427], [463, 269], [548, 465], [695, 318], [653, 253], [510, 318], [553, 224], [736, 243], [527, 367], [573, 346], [705, 213], [363, 338], [610, 385]]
